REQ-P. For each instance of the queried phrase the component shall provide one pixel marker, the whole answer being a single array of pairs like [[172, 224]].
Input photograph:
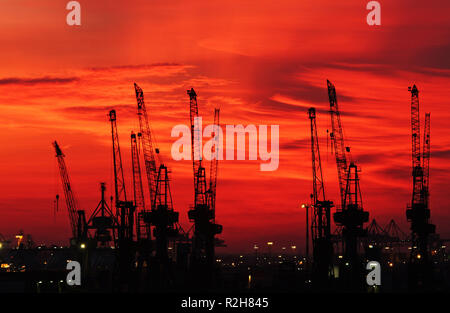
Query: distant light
[[346, 264], [293, 247], [303, 205], [370, 246], [418, 256], [1, 245], [387, 248], [391, 264], [270, 243], [82, 246], [340, 257]]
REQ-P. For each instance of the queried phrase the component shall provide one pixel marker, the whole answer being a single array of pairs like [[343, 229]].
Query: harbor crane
[[321, 221], [203, 214], [419, 212], [77, 218], [351, 215]]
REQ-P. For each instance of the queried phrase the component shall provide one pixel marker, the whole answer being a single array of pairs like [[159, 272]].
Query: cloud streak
[[37, 80]]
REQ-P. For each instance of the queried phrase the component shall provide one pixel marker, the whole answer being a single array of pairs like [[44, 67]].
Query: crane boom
[[337, 137], [163, 218], [196, 151], [147, 144], [68, 192], [138, 190], [426, 160]]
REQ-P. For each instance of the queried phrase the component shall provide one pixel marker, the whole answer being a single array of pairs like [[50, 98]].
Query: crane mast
[[124, 209], [318, 187], [119, 181], [147, 143], [163, 217], [321, 222], [138, 190], [137, 177], [416, 156]]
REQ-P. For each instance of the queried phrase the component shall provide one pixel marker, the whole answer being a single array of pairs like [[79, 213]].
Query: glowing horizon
[[260, 63]]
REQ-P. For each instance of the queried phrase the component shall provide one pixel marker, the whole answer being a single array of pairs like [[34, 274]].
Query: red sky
[[261, 62]]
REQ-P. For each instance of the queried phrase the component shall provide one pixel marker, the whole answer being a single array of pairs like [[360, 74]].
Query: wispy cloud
[[37, 80]]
